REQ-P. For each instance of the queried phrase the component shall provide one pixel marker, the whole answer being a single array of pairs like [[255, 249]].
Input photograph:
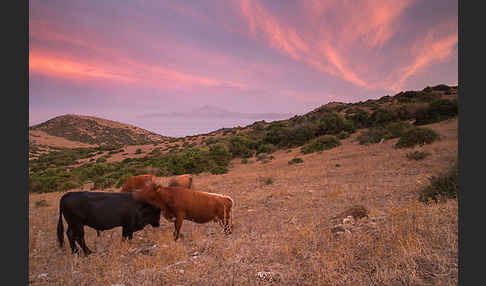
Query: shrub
[[219, 170], [296, 160], [244, 161], [266, 148], [103, 183], [321, 143], [268, 181], [417, 136], [138, 151], [396, 129], [220, 154], [360, 118], [441, 188], [438, 110], [441, 87], [41, 203], [69, 185], [123, 179], [343, 135], [297, 136], [372, 135], [264, 158], [101, 160], [240, 146], [330, 123], [382, 116], [417, 155]]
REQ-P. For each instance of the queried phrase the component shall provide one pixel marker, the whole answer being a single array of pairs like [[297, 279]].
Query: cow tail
[[60, 227]]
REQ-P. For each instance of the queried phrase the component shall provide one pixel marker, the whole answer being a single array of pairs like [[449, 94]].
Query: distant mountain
[[209, 111], [94, 130]]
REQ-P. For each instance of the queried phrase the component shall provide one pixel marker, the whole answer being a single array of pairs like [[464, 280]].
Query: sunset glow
[[141, 57]]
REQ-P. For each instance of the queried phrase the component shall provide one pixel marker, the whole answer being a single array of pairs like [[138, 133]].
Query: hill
[[283, 228], [89, 131], [289, 203]]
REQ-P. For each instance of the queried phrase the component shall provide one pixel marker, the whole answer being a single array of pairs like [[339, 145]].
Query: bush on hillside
[[382, 116], [220, 155], [438, 110], [372, 135], [417, 155], [217, 170], [296, 160], [123, 179], [321, 143], [417, 136], [443, 187], [359, 117]]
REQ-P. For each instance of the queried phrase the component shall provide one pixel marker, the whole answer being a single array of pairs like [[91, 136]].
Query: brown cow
[[184, 181], [177, 204], [137, 182]]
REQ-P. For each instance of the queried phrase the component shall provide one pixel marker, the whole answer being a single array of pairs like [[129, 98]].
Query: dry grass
[[283, 227]]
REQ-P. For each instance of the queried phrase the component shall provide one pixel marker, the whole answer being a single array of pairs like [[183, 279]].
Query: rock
[[338, 228], [348, 220], [268, 276], [146, 250], [42, 275]]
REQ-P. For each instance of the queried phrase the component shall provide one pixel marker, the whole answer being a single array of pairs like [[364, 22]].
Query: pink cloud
[[431, 50]]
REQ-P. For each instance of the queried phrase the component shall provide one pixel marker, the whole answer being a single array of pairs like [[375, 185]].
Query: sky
[[121, 60]]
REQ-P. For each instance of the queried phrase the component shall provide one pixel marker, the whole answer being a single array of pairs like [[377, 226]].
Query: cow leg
[[72, 243], [79, 237], [126, 233], [177, 225]]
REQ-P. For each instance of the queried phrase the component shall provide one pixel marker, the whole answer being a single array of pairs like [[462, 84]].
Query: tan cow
[[177, 204], [184, 181], [137, 182]]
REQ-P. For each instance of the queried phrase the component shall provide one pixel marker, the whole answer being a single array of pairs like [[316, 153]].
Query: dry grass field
[[283, 233]]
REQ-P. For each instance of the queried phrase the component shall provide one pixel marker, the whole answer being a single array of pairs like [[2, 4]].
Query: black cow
[[102, 211]]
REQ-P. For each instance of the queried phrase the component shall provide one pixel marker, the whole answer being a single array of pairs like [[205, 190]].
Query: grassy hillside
[[93, 130], [400, 116], [286, 228]]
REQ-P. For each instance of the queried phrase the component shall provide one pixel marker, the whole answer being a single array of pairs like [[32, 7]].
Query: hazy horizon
[[120, 60]]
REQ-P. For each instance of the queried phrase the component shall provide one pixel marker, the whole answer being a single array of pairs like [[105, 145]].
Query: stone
[[268, 276]]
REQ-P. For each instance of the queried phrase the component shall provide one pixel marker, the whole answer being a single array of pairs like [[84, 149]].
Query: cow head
[[150, 215]]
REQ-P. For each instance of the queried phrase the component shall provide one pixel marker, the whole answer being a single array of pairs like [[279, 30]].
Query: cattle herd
[[140, 202]]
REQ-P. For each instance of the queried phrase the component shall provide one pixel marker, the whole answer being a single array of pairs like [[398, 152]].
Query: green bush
[[359, 117], [417, 136], [69, 185], [343, 135], [437, 110], [321, 143], [103, 183], [442, 187], [441, 87], [417, 155], [382, 116], [331, 123], [123, 179], [240, 146], [266, 148], [216, 170], [372, 135], [383, 132], [396, 129], [244, 161], [220, 155], [101, 160], [296, 160]]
